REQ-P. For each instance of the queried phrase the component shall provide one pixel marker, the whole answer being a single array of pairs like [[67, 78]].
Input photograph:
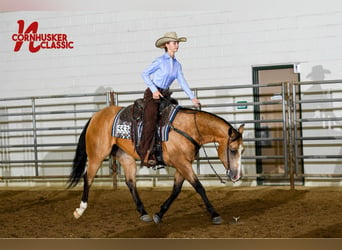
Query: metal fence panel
[[38, 135]]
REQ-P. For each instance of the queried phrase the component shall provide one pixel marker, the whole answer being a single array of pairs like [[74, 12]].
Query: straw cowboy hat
[[168, 37]]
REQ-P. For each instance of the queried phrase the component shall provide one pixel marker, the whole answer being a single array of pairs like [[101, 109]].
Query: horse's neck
[[211, 128]]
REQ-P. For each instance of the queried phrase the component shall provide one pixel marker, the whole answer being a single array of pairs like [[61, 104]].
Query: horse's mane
[[189, 110], [193, 111]]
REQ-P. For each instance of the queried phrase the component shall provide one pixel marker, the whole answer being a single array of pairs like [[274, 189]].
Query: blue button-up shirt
[[162, 72]]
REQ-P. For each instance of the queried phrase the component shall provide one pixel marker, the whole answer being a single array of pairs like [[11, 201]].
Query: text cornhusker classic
[[39, 41]]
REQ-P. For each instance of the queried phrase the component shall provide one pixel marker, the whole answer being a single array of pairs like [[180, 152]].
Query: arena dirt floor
[[264, 212]]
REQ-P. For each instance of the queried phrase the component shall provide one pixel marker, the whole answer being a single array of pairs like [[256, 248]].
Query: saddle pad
[[122, 127]]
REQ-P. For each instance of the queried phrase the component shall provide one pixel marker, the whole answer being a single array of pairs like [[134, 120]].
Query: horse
[[190, 130]]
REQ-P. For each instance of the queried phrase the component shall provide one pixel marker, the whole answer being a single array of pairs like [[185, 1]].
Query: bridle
[[206, 155], [199, 144]]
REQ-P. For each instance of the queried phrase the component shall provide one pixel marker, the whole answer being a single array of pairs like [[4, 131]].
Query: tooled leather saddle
[[128, 124]]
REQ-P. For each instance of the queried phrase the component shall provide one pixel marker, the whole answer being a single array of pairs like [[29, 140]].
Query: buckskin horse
[[190, 129]]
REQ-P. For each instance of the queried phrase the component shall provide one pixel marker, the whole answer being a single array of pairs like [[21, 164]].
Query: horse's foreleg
[[177, 187], [186, 172], [215, 217]]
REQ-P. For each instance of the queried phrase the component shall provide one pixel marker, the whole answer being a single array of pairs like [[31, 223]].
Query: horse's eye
[[233, 151]]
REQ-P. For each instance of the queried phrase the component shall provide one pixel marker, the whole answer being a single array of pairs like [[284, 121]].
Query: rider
[[158, 78]]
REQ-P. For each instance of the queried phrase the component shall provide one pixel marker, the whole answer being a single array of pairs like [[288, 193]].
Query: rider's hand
[[157, 95], [196, 102]]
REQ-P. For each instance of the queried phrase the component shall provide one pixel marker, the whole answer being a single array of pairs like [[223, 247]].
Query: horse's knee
[[198, 186]]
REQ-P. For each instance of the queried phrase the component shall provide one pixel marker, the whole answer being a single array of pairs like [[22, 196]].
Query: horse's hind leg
[[177, 187], [88, 178], [130, 168]]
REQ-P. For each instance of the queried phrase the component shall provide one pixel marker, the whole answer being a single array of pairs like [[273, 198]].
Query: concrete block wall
[[112, 48]]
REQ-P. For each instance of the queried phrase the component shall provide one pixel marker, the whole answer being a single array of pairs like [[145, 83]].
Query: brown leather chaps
[[150, 119]]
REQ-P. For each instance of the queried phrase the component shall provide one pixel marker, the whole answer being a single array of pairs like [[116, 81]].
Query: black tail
[[80, 160]]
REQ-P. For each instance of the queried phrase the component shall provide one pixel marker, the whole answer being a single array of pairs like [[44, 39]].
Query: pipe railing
[[22, 128]]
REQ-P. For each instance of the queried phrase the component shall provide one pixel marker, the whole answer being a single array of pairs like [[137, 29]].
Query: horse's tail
[[80, 160]]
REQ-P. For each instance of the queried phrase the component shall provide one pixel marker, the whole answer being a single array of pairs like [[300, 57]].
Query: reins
[[205, 152], [211, 166], [197, 145]]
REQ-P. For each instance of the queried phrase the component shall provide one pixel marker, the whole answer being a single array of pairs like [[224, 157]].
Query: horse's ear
[[230, 131], [241, 128]]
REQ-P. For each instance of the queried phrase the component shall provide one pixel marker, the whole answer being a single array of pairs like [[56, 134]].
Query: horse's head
[[230, 154]]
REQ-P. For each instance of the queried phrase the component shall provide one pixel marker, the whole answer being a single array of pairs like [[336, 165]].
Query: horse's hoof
[[76, 215], [146, 218], [156, 219], [217, 220]]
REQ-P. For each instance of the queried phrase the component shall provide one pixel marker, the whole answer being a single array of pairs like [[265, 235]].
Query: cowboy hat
[[169, 36]]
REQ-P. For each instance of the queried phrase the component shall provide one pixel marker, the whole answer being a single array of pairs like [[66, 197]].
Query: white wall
[[112, 48]]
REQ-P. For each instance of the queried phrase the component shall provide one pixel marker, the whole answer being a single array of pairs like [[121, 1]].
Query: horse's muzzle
[[233, 175]]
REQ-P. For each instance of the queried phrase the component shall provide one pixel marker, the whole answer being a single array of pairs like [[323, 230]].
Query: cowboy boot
[[148, 162]]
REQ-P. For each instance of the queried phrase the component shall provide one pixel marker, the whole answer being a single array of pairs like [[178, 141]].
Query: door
[[270, 133]]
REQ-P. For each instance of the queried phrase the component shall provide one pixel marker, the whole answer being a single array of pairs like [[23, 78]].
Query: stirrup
[[152, 163], [157, 167], [149, 163]]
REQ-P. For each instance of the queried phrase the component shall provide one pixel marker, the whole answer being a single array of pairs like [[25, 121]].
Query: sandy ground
[[264, 212]]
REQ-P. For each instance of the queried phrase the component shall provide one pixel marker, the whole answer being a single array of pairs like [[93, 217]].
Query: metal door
[[269, 132]]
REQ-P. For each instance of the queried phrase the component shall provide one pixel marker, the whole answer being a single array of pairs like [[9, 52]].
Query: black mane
[[189, 110]]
